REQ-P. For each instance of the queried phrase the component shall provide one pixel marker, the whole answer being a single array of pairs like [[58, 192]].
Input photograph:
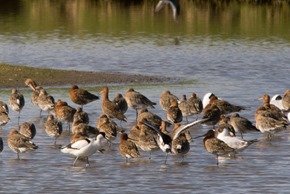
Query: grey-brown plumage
[[53, 127], [18, 143], [81, 116], [272, 109], [224, 106], [28, 130], [40, 97], [180, 145], [151, 118], [79, 127], [108, 128], [80, 135], [4, 107], [195, 104], [44, 101], [267, 121], [211, 113], [127, 149], [103, 118], [174, 114], [16, 102], [136, 100], [4, 118], [109, 108], [224, 123], [35, 95], [120, 101], [64, 112], [134, 134], [31, 83], [184, 107], [216, 146], [241, 125], [286, 100], [166, 99], [146, 140]]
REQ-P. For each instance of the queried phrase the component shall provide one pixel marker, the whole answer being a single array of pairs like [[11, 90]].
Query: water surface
[[239, 51]]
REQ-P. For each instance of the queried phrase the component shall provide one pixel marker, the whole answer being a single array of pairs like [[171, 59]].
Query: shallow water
[[263, 167], [239, 62]]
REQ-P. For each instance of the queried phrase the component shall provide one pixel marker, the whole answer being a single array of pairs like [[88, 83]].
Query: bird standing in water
[[137, 100], [85, 147], [19, 143], [80, 96], [16, 102], [127, 148]]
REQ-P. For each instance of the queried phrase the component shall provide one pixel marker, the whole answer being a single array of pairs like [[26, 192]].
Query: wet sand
[[14, 76]]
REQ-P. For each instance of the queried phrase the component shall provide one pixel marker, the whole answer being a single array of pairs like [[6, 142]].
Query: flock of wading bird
[[150, 132]]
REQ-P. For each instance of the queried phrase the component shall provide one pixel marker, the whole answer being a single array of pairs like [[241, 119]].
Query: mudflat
[[14, 76]]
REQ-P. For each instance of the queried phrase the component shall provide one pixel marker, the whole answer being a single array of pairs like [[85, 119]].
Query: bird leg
[[136, 115], [75, 161], [241, 135], [18, 117], [68, 124], [166, 158], [217, 160], [88, 164]]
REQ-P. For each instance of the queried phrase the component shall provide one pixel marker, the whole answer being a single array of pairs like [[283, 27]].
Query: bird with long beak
[[110, 108], [127, 148], [164, 140], [234, 142], [215, 146], [86, 147]]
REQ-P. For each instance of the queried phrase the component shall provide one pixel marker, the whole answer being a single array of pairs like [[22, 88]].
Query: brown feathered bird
[[16, 102], [110, 108], [127, 149], [120, 101], [174, 114], [18, 143], [53, 127], [215, 146], [80, 96], [64, 112], [166, 99], [136, 100]]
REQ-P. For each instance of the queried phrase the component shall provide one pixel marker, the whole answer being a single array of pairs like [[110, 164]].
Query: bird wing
[[160, 5], [79, 144], [184, 127]]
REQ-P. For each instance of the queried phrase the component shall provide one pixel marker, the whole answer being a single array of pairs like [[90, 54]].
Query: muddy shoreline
[[14, 76]]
